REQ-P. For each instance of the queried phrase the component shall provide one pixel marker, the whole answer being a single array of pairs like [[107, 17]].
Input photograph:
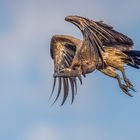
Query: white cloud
[[41, 132]]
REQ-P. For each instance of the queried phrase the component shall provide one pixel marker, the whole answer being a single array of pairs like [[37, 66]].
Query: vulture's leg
[[109, 71], [128, 83], [68, 72]]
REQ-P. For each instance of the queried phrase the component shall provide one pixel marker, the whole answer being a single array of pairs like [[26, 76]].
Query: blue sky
[[100, 110]]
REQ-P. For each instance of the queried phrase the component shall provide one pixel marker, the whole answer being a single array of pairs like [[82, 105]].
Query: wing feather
[[117, 37], [59, 89], [62, 52]]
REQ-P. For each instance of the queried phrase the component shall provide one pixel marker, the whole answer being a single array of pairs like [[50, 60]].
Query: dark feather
[[54, 83], [117, 37], [66, 90], [59, 89], [94, 43], [133, 59], [72, 89]]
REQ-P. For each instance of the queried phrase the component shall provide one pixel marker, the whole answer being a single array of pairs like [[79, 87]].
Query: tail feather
[[133, 59], [132, 53], [137, 61]]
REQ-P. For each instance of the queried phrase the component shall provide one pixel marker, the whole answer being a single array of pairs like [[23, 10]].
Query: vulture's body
[[102, 48]]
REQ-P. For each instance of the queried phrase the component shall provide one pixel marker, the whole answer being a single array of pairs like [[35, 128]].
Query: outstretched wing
[[63, 49], [107, 36], [99, 34]]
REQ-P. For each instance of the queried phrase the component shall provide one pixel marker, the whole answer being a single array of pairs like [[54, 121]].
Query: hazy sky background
[[100, 111]]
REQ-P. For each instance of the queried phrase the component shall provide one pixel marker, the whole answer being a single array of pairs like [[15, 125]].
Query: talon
[[132, 88], [129, 85], [125, 90]]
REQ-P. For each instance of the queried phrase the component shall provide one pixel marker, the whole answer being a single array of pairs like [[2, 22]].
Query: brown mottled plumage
[[102, 48]]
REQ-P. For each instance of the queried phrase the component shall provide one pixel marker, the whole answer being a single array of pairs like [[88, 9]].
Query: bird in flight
[[102, 48]]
